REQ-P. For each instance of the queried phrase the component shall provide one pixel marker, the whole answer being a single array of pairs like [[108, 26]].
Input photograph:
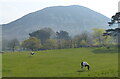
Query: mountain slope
[[73, 19]]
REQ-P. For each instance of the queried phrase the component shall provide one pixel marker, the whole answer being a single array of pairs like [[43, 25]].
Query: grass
[[61, 63], [0, 65]]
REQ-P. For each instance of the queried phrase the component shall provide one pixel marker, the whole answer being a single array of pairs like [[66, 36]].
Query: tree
[[50, 31], [32, 43], [5, 45], [79, 39], [115, 19], [63, 37], [42, 35], [109, 41], [83, 43], [13, 44], [84, 36], [98, 36], [50, 44], [115, 32]]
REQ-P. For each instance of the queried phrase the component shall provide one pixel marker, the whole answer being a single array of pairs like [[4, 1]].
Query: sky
[[11, 10]]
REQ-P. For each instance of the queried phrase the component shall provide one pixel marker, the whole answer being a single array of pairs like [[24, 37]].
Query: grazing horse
[[85, 64], [32, 53]]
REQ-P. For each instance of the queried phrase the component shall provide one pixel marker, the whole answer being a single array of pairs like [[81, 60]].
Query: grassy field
[[0, 65], [61, 63]]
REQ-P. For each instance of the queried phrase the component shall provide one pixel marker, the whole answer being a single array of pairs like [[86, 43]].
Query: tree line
[[46, 38]]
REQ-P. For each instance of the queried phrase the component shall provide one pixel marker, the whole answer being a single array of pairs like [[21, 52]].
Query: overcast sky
[[11, 10]]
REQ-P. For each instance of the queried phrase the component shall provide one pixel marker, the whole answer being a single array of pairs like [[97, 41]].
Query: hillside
[[73, 19]]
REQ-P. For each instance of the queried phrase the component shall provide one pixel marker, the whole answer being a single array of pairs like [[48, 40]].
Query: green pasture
[[61, 63]]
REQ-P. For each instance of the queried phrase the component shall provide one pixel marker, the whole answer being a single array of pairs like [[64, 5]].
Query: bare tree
[[13, 44]]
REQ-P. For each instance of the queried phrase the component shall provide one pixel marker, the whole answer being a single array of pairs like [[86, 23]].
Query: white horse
[[85, 64], [32, 53]]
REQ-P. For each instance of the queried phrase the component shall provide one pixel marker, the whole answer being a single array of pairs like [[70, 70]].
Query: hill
[[73, 19]]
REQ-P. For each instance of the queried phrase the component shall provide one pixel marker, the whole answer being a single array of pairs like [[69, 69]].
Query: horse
[[85, 64]]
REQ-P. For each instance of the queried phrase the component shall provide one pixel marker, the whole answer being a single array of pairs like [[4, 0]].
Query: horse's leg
[[81, 64]]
